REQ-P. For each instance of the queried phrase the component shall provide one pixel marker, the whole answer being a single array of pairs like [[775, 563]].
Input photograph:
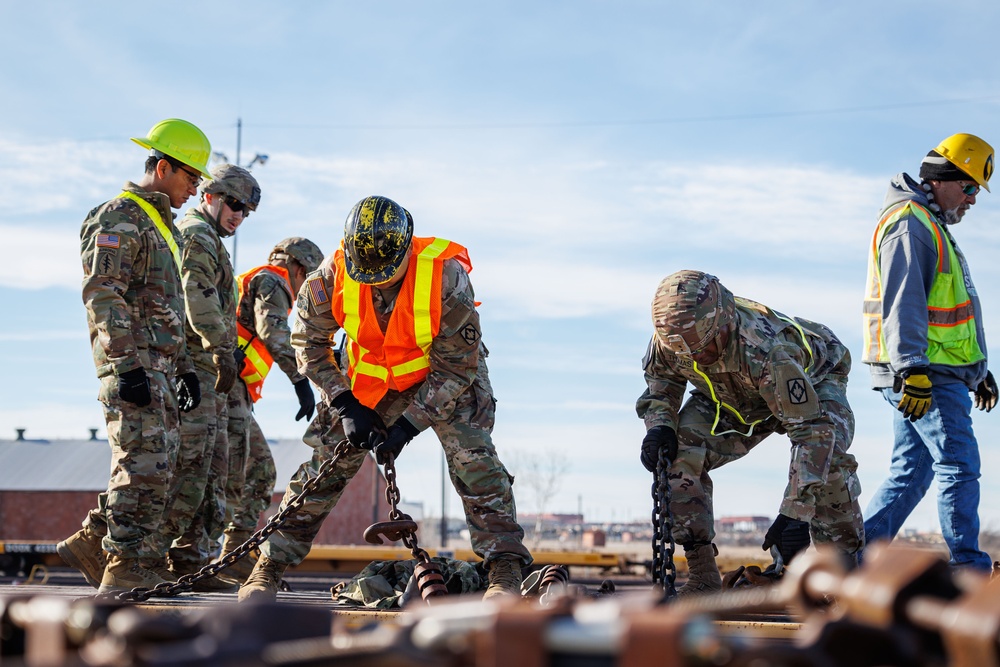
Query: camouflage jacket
[[132, 288], [454, 354], [264, 310], [209, 290], [766, 370]]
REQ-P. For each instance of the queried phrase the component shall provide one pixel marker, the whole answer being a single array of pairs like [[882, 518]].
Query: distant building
[[742, 524], [48, 486]]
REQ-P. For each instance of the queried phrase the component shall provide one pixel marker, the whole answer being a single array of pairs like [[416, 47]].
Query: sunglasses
[[236, 206], [970, 189]]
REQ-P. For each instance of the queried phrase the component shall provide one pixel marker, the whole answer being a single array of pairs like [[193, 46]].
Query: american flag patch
[[317, 292], [108, 240]]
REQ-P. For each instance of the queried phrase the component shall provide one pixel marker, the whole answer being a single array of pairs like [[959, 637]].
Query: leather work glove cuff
[[225, 372], [408, 428], [986, 393], [307, 401], [659, 438], [344, 401], [399, 435], [133, 387], [916, 388], [188, 391]]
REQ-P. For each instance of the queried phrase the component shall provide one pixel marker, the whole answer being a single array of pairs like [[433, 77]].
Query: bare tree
[[542, 473]]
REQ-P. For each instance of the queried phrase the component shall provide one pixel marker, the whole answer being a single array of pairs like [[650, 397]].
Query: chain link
[[663, 570], [392, 496], [186, 582]]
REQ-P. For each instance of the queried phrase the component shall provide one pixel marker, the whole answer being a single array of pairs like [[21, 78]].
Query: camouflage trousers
[[195, 507], [481, 480], [255, 468], [831, 506], [144, 443]]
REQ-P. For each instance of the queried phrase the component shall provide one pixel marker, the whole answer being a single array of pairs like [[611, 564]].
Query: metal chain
[[186, 582], [663, 570], [392, 496]]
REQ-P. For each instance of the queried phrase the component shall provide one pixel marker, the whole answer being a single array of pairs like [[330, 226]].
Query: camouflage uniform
[[263, 310], [455, 399], [135, 311], [197, 504], [778, 384]]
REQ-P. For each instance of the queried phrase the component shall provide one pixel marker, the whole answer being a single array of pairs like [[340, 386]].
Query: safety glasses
[[236, 206], [969, 189]]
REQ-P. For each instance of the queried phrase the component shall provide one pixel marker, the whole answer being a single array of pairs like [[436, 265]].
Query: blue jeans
[[941, 446]]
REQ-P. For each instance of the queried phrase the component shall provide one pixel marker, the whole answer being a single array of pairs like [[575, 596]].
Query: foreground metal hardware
[[663, 570], [186, 582], [401, 526], [903, 608]]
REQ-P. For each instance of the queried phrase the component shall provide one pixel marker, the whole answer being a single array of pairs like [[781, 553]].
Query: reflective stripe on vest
[[258, 360], [951, 324], [157, 219], [398, 358]]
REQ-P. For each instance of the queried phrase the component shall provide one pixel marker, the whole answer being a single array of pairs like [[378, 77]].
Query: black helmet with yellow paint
[[377, 238]]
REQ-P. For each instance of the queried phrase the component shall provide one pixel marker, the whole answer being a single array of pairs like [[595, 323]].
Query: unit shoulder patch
[[470, 334], [797, 394]]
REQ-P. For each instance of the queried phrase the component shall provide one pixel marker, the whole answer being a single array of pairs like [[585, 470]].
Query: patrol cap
[[689, 309], [302, 250], [235, 182]]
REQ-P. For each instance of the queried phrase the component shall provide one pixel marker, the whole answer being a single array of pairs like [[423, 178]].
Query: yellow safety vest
[[951, 322]]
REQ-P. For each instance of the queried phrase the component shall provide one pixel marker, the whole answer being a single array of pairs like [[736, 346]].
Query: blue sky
[[581, 150]]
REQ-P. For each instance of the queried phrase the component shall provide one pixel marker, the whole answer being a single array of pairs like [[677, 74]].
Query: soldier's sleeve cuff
[[417, 418], [795, 509]]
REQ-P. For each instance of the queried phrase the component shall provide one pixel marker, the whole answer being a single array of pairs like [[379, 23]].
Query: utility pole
[[444, 510], [239, 139], [258, 158]]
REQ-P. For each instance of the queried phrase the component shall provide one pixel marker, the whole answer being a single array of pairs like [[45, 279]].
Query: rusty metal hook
[[392, 530]]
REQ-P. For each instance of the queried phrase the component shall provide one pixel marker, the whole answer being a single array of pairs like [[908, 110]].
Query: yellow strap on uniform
[[157, 219], [720, 404], [802, 333]]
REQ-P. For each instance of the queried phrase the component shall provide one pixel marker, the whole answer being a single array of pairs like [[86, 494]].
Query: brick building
[[47, 487]]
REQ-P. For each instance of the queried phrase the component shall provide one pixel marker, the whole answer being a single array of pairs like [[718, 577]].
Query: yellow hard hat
[[180, 140], [970, 154]]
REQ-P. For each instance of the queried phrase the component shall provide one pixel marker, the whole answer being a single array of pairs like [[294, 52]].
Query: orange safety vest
[[258, 360], [400, 357]]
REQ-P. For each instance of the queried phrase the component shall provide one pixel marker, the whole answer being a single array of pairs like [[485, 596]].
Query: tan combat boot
[[220, 583], [505, 577], [124, 574], [244, 566], [703, 573], [83, 551], [158, 566], [263, 583]]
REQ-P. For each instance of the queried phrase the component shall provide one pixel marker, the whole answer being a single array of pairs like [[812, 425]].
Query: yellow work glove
[[916, 400]]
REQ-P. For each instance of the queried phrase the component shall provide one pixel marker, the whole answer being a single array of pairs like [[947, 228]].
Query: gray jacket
[[907, 260]]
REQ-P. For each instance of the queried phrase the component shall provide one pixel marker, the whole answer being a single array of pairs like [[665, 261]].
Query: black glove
[[400, 433], [916, 388], [226, 372], [657, 438], [789, 535], [239, 356], [986, 393], [188, 391], [362, 425], [133, 386], [307, 402]]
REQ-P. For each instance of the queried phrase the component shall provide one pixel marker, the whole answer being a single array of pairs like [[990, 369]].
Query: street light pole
[[258, 158], [239, 139]]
